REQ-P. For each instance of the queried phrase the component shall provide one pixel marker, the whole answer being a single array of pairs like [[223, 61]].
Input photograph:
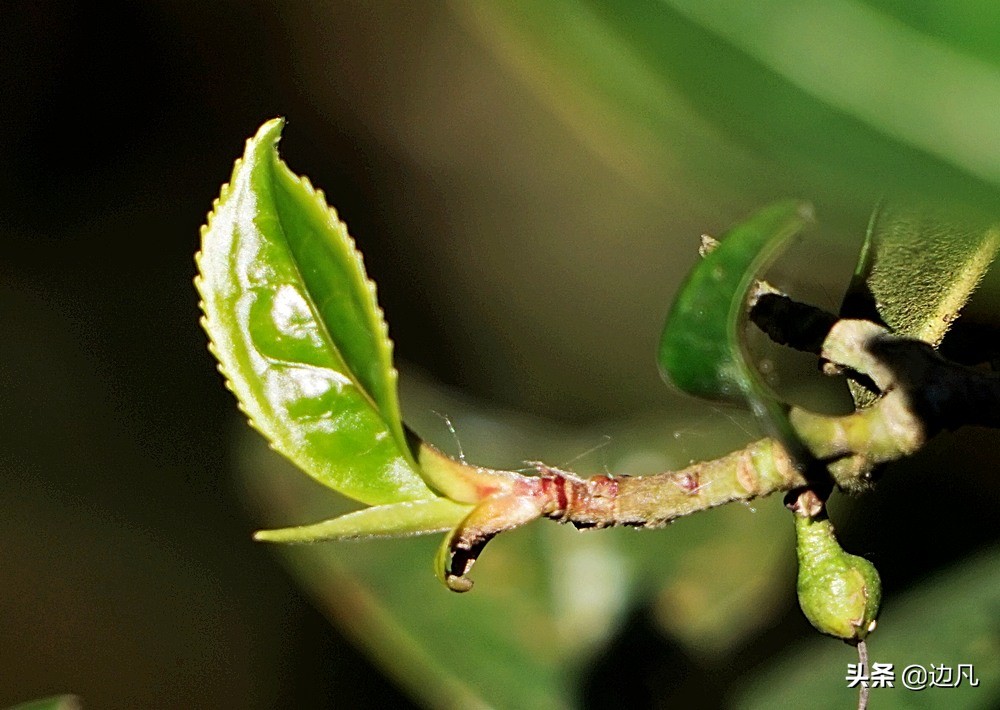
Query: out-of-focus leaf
[[702, 347], [831, 99], [547, 596], [950, 619], [917, 270], [725, 576], [905, 84], [56, 702], [615, 101], [298, 333], [499, 647]]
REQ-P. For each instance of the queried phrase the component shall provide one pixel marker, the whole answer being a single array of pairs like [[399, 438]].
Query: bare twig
[[791, 323]]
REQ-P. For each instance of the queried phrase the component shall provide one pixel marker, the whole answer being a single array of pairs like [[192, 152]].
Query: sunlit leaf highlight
[[295, 325]]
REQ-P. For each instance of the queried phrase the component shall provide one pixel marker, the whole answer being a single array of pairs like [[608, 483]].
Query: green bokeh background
[[527, 182]]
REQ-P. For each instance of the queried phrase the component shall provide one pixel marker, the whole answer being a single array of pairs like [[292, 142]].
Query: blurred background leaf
[[56, 702], [547, 598], [846, 92], [527, 182], [923, 627]]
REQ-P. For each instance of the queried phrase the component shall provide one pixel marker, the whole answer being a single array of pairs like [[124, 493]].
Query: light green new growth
[[297, 330], [417, 517], [702, 348], [298, 334]]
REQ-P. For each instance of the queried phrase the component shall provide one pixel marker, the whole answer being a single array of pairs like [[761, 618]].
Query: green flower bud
[[839, 593]]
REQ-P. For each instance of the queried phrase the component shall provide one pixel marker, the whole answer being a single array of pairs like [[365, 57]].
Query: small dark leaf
[[701, 349]]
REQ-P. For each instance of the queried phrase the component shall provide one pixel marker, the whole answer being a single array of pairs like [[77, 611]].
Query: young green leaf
[[701, 349], [548, 598], [412, 517], [297, 331], [500, 647], [917, 269]]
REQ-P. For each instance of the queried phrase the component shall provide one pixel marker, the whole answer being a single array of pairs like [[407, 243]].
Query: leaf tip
[[284, 535], [270, 131]]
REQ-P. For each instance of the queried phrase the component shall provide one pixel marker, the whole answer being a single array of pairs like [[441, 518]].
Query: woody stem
[[759, 469]]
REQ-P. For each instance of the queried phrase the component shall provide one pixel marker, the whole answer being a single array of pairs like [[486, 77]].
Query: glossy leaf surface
[[295, 325], [701, 349]]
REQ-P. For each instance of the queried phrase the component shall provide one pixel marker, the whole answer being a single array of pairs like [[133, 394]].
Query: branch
[[921, 394], [787, 322], [759, 469]]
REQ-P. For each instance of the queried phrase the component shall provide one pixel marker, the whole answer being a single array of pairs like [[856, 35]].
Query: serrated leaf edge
[[392, 419], [205, 321]]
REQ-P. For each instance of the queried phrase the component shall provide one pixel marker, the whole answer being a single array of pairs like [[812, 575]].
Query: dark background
[[500, 246], [127, 573]]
